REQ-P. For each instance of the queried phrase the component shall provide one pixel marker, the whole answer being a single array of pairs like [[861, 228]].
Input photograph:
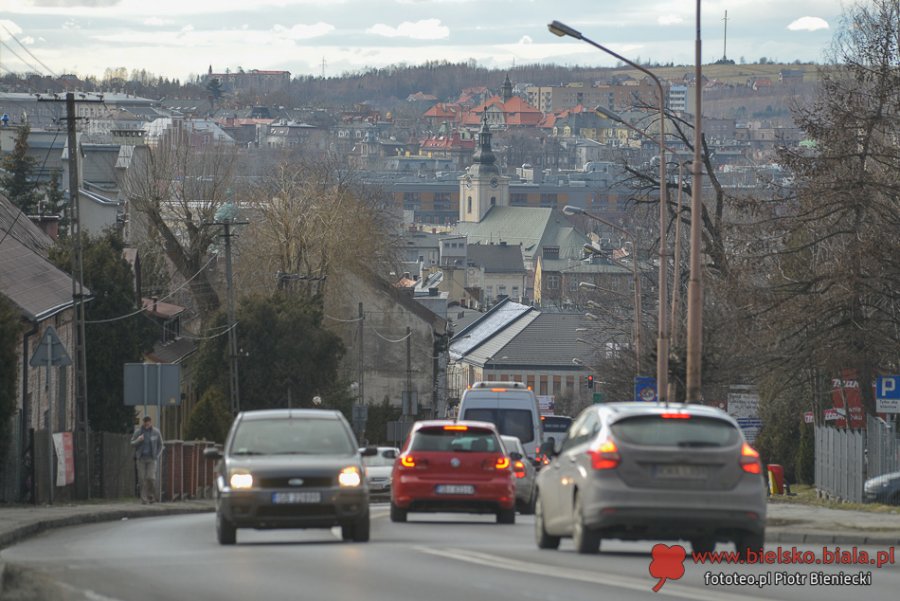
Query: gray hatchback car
[[291, 468], [645, 471]]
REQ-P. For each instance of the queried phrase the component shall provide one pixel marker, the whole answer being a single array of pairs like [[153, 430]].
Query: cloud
[[808, 24], [75, 3], [301, 31], [27, 40], [670, 20], [154, 22], [426, 29], [526, 39], [70, 24]]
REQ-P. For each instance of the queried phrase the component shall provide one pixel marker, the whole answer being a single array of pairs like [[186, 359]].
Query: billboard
[[847, 401]]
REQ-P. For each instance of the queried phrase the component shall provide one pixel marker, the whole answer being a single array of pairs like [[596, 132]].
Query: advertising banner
[[65, 458]]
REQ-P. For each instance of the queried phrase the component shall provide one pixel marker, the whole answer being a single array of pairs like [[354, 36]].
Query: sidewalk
[[787, 522]]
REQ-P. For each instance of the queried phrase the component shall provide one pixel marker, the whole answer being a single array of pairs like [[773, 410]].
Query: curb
[[820, 538], [18, 533]]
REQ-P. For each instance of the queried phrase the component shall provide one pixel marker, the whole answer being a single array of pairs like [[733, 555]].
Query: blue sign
[[888, 387], [749, 422], [645, 389]]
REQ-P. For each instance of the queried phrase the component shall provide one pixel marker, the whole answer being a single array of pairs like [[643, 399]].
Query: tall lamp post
[[573, 210], [662, 340], [695, 284]]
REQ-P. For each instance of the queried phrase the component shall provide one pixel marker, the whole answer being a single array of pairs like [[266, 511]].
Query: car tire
[[506, 516], [749, 542], [357, 530], [703, 545], [543, 540], [397, 514], [586, 541], [226, 532]]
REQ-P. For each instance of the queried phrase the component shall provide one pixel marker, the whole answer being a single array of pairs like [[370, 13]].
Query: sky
[[181, 38]]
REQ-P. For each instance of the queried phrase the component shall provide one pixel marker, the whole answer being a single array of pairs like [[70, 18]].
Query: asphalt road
[[438, 557]]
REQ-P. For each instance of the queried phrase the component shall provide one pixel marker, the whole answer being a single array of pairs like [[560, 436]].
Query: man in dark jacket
[[148, 446]]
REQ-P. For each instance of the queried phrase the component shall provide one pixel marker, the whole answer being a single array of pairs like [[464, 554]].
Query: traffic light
[[590, 381]]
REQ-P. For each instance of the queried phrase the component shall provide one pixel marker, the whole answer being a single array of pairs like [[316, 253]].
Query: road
[[439, 557]]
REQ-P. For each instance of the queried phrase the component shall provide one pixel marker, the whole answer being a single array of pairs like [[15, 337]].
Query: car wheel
[[749, 542], [586, 541], [225, 531], [397, 514], [703, 545], [529, 506], [357, 530], [544, 540], [506, 516]]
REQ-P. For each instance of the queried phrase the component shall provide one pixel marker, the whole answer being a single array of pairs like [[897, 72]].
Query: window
[[466, 441], [469, 205], [510, 422], [441, 201], [543, 386], [518, 199], [493, 201], [552, 282], [548, 200]]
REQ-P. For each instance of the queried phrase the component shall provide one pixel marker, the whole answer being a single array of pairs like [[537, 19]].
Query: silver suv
[[645, 471]]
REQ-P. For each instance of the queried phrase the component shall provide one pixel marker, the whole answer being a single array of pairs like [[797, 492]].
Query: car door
[[572, 461], [552, 484]]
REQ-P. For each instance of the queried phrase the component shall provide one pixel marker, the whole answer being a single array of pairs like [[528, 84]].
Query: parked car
[[883, 489], [290, 468], [511, 406], [378, 469], [639, 471], [524, 471], [458, 466]]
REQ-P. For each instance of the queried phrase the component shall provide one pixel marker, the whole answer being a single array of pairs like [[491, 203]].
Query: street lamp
[[662, 340], [573, 210]]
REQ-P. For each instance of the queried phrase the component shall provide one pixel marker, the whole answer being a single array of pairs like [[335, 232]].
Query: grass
[[805, 494]]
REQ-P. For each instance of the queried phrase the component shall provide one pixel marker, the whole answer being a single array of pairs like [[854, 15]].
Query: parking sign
[[887, 397]]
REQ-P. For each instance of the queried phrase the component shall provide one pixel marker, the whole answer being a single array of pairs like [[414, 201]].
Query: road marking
[[671, 589], [87, 594]]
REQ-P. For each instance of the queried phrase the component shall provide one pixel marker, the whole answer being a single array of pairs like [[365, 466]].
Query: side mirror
[[368, 451], [214, 453], [515, 456], [389, 454]]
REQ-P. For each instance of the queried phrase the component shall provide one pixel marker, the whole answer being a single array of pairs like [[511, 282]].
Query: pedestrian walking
[[147, 442]]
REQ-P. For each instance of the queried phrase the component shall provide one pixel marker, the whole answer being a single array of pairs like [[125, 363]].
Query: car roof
[[290, 414], [630, 409], [436, 423]]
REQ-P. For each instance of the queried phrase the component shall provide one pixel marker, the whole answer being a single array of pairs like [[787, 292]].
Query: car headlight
[[241, 481], [350, 476]]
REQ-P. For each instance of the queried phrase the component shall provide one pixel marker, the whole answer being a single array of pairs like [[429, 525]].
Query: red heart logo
[[668, 562]]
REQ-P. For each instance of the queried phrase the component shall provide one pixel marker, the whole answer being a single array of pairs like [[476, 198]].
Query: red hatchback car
[[454, 466]]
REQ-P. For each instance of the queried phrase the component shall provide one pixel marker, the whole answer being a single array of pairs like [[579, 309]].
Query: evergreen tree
[[109, 344], [19, 178], [10, 328]]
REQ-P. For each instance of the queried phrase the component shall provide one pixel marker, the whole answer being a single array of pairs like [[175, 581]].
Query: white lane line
[[86, 594], [670, 588]]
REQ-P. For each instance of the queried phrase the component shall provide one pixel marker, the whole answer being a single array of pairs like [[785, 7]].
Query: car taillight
[[519, 468], [606, 456], [408, 461], [750, 460], [500, 463]]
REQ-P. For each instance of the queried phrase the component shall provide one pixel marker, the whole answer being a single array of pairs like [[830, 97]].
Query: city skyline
[[333, 37]]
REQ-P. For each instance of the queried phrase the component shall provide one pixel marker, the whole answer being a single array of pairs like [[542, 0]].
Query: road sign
[[598, 397], [645, 389], [152, 384], [887, 394], [50, 352]]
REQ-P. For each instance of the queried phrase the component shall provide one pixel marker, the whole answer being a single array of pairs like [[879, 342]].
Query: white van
[[510, 406]]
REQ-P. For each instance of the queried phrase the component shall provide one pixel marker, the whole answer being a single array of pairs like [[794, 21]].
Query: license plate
[[455, 489], [680, 471], [287, 498]]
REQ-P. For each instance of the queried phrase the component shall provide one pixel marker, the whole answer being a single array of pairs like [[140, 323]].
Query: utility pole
[[408, 410], [81, 404], [225, 217], [360, 365]]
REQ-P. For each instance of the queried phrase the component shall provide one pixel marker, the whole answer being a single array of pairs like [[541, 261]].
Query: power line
[[49, 70], [22, 60]]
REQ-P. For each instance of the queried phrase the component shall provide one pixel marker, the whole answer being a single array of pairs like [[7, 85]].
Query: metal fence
[[840, 461], [845, 459], [105, 469]]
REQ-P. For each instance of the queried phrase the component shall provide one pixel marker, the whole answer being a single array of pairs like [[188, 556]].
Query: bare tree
[[175, 187]]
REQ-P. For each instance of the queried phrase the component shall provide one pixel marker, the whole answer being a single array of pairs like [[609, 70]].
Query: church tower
[[506, 92], [482, 187]]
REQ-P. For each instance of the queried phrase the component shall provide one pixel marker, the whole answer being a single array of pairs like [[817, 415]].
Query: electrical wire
[[390, 339], [22, 60], [41, 63], [342, 320], [169, 295]]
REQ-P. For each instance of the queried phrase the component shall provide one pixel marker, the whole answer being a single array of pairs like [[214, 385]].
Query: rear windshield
[[457, 441], [382, 459], [654, 430], [509, 422], [292, 437], [556, 424]]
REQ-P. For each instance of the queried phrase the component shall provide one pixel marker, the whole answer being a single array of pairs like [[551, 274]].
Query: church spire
[[484, 158], [507, 89]]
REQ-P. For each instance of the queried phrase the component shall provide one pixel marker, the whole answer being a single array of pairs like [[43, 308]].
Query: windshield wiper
[[247, 453], [291, 453]]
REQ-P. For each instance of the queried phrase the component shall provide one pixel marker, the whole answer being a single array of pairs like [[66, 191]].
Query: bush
[[210, 419]]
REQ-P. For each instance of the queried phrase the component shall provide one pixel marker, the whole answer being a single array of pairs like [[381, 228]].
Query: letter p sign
[[887, 387]]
